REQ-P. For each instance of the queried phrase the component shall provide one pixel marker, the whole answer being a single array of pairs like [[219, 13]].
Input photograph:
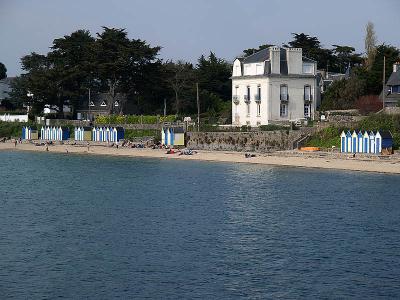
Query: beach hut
[[372, 142], [173, 136], [384, 142], [365, 142], [359, 142], [117, 134], [29, 133], [54, 133], [83, 133], [348, 141], [343, 146], [354, 140]]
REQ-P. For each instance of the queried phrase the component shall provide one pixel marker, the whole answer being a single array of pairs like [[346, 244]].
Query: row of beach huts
[[60, 133], [170, 136], [366, 142]]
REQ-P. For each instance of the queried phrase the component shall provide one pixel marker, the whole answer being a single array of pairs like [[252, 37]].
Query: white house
[[273, 85]]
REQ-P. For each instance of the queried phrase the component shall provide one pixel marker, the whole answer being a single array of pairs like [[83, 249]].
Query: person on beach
[[15, 143], [47, 147], [88, 146]]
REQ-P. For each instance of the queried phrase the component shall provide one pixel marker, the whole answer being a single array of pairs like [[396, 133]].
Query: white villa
[[274, 85]]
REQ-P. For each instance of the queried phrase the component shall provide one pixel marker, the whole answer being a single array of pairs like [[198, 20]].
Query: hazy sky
[[186, 29]]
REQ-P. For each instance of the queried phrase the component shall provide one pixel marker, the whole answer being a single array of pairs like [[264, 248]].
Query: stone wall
[[262, 141]]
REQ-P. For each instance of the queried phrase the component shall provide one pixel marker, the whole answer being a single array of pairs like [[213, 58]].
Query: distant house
[[392, 96], [273, 85], [325, 79], [98, 105]]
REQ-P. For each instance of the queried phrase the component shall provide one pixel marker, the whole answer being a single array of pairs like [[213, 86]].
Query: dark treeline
[[112, 63]]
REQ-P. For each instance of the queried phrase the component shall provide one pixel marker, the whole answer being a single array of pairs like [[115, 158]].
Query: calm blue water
[[102, 227]]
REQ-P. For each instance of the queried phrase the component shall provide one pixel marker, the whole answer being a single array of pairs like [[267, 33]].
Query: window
[[258, 69], [248, 109], [258, 96], [103, 103], [237, 72], [307, 93], [396, 89], [258, 109], [283, 110], [306, 110], [246, 69], [308, 69], [91, 103], [116, 103], [284, 92], [248, 92]]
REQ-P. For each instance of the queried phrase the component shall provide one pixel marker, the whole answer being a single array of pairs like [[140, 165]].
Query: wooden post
[[198, 107], [383, 83]]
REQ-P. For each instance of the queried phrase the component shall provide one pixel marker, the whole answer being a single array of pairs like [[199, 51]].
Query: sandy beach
[[315, 160]]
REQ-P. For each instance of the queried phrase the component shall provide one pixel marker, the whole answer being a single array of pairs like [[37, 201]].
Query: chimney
[[396, 67], [294, 58], [275, 58]]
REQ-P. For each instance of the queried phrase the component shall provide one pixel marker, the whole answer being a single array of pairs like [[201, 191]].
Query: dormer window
[[91, 103], [308, 68], [396, 89], [116, 104], [103, 104]]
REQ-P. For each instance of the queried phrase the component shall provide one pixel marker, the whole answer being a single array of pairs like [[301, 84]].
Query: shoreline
[[390, 166]]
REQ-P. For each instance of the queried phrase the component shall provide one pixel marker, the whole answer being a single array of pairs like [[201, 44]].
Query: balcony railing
[[246, 98], [235, 99], [284, 97], [257, 97]]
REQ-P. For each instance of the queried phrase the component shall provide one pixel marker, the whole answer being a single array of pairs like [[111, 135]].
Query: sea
[[102, 227]]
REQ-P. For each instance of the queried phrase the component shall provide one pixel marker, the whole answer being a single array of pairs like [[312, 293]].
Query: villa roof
[[259, 56], [394, 79]]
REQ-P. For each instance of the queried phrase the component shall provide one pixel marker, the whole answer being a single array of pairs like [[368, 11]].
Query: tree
[[345, 57], [120, 62], [3, 71], [343, 93], [73, 63], [368, 104], [180, 77], [312, 49], [373, 75], [370, 44]]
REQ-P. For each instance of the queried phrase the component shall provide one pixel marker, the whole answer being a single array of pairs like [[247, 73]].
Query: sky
[[186, 29]]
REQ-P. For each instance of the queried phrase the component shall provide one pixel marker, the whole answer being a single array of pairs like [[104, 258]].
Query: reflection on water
[[104, 227]]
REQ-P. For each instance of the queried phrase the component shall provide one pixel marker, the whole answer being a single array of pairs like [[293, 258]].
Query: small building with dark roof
[[392, 90]]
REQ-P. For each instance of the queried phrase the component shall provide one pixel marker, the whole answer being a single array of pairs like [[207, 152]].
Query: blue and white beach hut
[[365, 142], [29, 133], [360, 142], [108, 134], [54, 133], [117, 134], [83, 133], [386, 141], [354, 142], [348, 142], [343, 142], [371, 142]]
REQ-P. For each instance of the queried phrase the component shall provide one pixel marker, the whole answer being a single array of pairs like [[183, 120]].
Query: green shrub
[[134, 119], [137, 133]]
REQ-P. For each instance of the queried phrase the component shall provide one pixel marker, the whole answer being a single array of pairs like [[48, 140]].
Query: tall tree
[[3, 71], [180, 77], [312, 49], [346, 57], [370, 44], [72, 58], [121, 62]]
